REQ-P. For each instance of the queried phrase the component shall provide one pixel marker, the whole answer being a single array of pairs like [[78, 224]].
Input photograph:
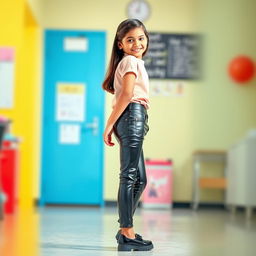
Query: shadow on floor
[[77, 247]]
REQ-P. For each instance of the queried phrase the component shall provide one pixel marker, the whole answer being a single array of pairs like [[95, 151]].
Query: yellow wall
[[223, 110], [214, 112], [36, 7], [19, 30], [11, 22]]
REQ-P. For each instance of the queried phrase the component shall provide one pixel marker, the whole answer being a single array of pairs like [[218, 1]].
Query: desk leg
[[225, 189], [248, 212], [196, 189], [233, 210]]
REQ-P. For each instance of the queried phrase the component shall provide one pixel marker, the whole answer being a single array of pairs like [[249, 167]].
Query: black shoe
[[139, 237], [118, 234], [127, 244]]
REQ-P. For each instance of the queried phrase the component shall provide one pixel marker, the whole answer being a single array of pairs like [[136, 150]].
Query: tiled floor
[[65, 231]]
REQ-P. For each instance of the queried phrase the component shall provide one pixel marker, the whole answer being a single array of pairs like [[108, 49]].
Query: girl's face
[[134, 43]]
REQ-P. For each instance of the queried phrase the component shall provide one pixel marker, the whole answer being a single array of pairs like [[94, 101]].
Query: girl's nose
[[136, 42]]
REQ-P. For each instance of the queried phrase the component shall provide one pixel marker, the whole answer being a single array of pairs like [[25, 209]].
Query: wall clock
[[138, 9]]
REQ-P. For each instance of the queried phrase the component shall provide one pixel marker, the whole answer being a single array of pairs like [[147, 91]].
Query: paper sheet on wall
[[6, 77], [173, 89], [70, 102], [69, 134], [76, 44]]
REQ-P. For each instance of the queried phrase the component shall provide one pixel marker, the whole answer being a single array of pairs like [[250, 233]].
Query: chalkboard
[[173, 56]]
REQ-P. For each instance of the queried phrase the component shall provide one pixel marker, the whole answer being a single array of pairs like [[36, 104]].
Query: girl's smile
[[134, 43]]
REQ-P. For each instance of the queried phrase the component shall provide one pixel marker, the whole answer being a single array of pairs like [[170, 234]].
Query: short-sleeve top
[[135, 65]]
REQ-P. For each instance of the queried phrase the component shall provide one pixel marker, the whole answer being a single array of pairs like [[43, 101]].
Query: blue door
[[73, 114]]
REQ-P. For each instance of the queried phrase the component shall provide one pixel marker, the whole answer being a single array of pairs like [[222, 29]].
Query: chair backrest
[[2, 130]]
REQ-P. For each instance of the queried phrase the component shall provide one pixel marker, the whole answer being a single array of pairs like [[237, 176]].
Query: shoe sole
[[126, 247]]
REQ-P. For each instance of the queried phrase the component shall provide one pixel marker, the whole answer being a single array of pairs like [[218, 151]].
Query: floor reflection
[[64, 231], [19, 234]]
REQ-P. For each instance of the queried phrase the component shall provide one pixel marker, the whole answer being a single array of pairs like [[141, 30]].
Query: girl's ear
[[119, 45]]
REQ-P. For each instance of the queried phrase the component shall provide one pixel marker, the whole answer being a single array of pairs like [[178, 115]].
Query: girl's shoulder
[[128, 63], [128, 58]]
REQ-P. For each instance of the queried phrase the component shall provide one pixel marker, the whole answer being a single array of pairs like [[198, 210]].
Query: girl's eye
[[141, 39], [130, 40]]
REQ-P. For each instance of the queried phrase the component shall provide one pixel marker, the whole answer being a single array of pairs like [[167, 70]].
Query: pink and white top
[[132, 64]]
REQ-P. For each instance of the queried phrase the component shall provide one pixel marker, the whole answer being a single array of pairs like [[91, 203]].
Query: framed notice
[[70, 102], [6, 77]]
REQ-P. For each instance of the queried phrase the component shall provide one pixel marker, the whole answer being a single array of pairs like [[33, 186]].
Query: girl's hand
[[108, 136]]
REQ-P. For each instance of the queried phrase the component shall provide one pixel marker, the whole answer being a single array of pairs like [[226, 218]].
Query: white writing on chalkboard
[[173, 56]]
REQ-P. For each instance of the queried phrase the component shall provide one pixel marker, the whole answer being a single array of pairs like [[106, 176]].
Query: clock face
[[138, 9]]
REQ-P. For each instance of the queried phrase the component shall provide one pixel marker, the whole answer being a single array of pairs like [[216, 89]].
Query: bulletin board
[[6, 77], [173, 56]]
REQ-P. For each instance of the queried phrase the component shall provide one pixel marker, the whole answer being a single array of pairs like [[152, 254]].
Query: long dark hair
[[117, 54]]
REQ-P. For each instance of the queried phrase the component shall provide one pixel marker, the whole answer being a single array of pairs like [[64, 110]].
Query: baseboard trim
[[174, 205], [179, 205]]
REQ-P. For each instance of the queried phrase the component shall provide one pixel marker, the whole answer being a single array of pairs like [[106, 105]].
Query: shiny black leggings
[[129, 130]]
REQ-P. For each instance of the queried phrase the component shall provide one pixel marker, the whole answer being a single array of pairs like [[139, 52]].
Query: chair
[[199, 182]]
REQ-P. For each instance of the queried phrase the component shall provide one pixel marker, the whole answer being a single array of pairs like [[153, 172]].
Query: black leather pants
[[129, 130]]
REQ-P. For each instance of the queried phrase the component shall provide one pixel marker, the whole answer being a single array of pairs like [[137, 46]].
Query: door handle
[[94, 126]]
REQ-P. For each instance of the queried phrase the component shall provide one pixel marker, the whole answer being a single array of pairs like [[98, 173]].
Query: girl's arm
[[121, 104]]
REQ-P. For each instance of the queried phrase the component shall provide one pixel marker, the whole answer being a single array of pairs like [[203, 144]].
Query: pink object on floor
[[158, 192]]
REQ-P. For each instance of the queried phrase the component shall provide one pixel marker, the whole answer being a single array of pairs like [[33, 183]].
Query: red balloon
[[241, 69]]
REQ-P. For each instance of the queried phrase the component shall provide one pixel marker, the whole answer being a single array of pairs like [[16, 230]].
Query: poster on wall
[[76, 44], [6, 77], [69, 134], [70, 102], [167, 88]]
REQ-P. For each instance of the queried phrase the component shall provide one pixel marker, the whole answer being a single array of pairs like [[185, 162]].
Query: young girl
[[127, 79]]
